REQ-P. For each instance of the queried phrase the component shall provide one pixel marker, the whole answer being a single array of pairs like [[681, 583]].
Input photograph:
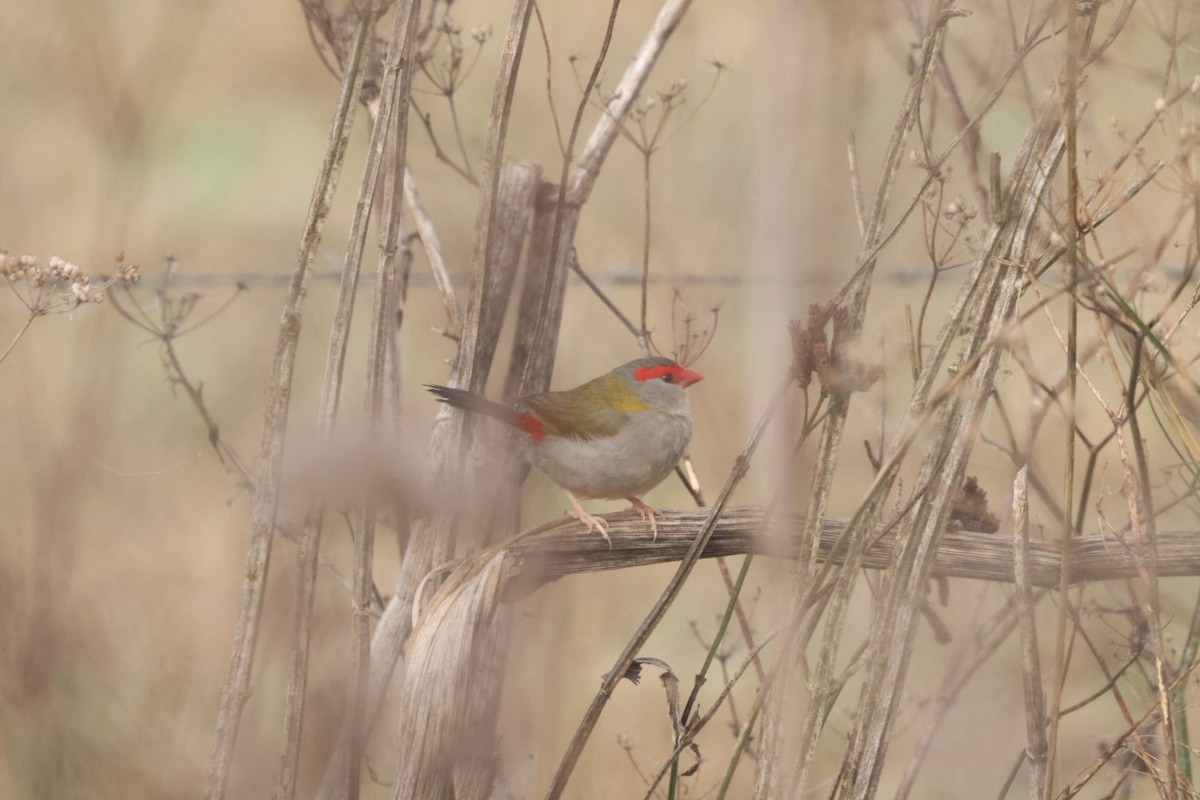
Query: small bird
[[616, 436]]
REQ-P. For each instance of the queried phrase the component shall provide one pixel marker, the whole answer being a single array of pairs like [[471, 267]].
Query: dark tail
[[473, 402]]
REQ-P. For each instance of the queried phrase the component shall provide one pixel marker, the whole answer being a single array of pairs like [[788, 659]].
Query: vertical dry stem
[[397, 85], [235, 693], [310, 538], [1035, 700], [1073, 242]]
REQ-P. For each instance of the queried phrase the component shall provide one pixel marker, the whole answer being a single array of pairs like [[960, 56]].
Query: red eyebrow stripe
[[653, 371], [681, 375], [531, 425]]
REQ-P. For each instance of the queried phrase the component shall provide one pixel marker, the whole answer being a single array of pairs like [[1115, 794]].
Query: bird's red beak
[[687, 377]]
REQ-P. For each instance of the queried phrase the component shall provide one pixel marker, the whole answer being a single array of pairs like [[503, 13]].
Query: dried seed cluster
[[40, 277]]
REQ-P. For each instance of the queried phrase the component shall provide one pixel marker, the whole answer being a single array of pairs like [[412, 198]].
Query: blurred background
[[193, 132]]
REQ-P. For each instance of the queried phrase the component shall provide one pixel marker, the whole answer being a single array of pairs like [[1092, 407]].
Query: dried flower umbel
[[56, 286]]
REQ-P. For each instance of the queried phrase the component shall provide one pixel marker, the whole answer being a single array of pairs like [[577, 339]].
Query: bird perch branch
[[563, 548]]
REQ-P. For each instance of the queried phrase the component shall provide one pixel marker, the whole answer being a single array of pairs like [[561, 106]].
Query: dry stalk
[[433, 250], [310, 539], [587, 169], [977, 299], [1145, 534], [1118, 743], [693, 728], [1031, 40], [549, 552], [452, 643], [565, 217], [1074, 245], [235, 693], [1031, 668], [396, 90], [473, 367]]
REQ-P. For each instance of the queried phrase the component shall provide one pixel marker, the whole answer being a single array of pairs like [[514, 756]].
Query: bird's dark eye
[[668, 377]]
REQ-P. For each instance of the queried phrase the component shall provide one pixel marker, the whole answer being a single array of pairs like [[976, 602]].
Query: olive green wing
[[594, 410]]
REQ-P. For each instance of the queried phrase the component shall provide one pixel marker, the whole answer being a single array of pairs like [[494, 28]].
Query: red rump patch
[[531, 425], [681, 375]]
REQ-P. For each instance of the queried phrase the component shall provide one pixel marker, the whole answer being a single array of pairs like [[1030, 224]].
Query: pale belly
[[627, 464]]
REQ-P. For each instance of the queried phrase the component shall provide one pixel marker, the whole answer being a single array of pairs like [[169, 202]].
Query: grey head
[[660, 381]]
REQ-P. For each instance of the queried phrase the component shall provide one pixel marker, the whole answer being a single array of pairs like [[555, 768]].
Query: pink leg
[[592, 522], [645, 512]]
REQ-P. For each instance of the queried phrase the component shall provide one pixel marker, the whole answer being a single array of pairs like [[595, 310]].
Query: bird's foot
[[646, 513], [592, 522]]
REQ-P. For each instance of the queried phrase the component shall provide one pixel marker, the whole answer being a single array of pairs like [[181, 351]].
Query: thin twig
[[28, 321], [433, 250]]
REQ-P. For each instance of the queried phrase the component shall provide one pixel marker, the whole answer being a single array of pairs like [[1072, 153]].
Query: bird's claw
[[646, 513], [593, 523]]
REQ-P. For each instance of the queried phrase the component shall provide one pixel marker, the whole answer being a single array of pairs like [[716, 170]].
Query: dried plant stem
[[734, 591], [330, 396], [396, 91], [1118, 743], [587, 169], [1144, 526], [473, 373], [900, 601], [734, 607], [646, 195], [739, 612], [236, 689], [608, 303], [28, 321], [1035, 700], [1024, 48], [634, 645], [1070, 119], [433, 250], [549, 552], [215, 438], [1187, 656]]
